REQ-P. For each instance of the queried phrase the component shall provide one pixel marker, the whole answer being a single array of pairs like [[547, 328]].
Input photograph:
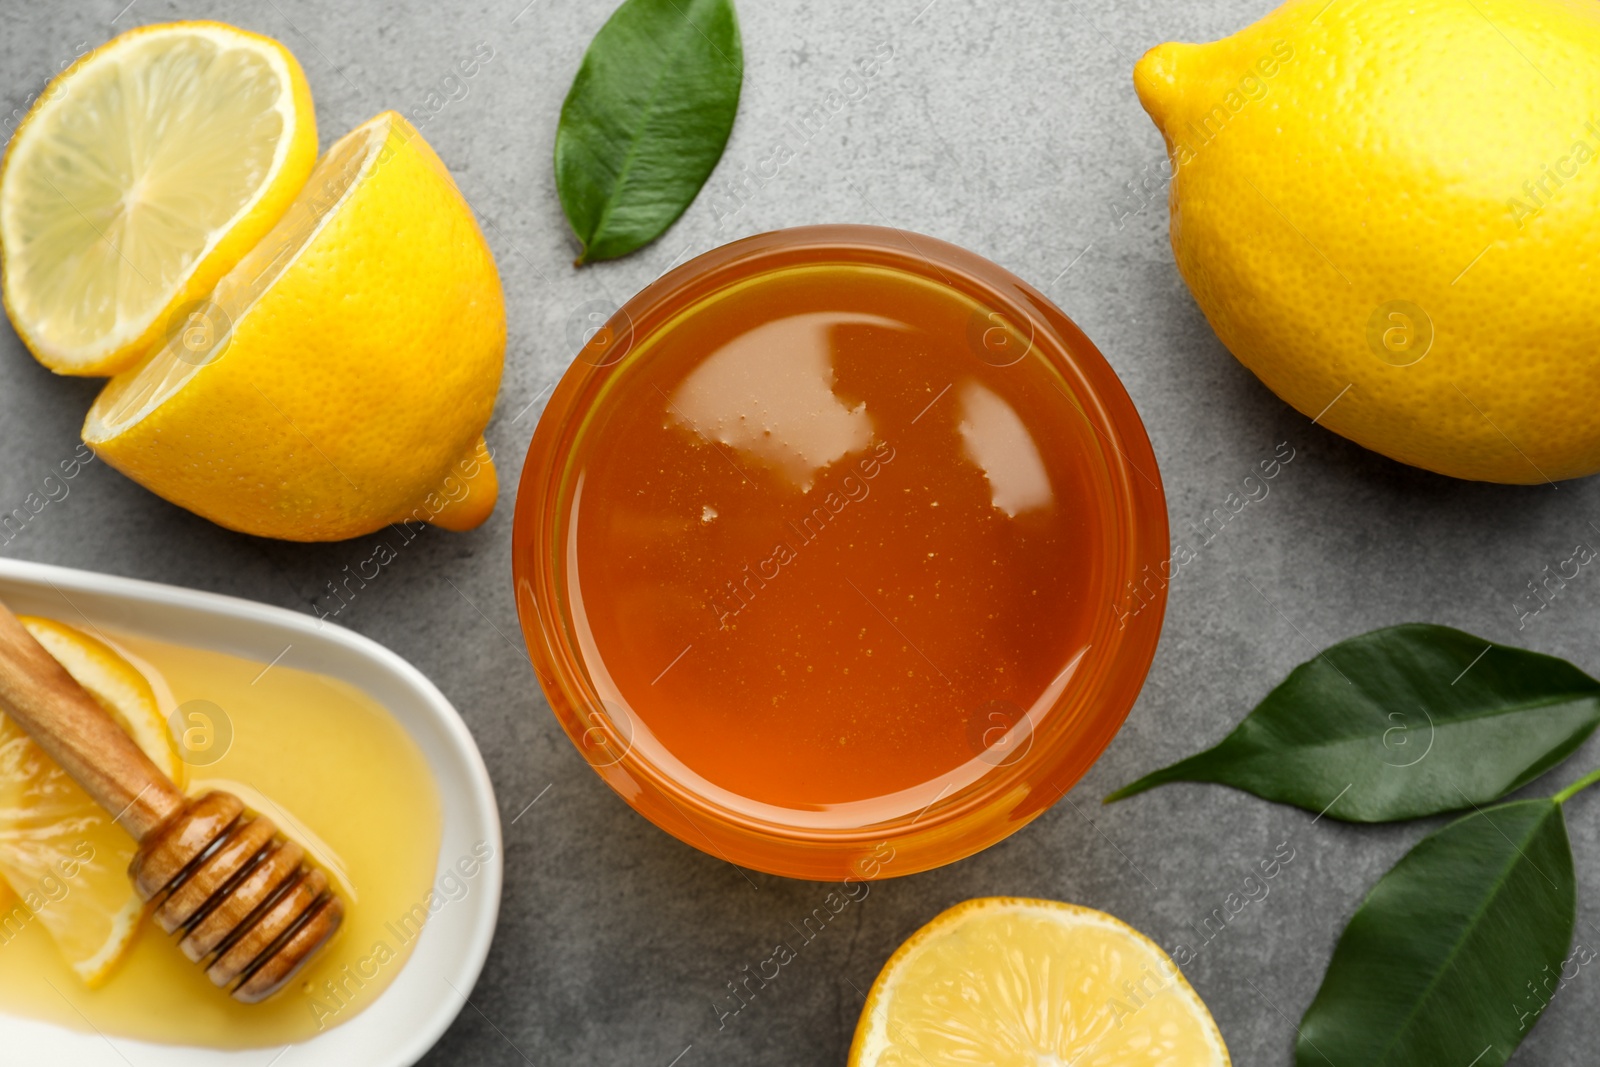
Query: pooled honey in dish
[[829, 528], [333, 770]]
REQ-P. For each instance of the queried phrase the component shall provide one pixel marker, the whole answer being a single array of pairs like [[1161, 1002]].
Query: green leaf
[[646, 120], [1402, 722], [1437, 964]]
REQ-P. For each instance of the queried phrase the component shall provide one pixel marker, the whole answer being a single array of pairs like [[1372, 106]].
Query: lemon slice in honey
[[64, 858], [1008, 982]]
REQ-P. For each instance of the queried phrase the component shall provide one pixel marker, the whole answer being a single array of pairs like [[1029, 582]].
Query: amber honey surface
[[833, 532], [335, 771]]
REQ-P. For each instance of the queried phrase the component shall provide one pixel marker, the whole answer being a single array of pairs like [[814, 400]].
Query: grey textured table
[[1012, 130]]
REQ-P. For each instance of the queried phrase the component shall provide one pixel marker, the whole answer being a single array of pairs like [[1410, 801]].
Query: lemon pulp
[[62, 856], [1008, 982], [134, 168]]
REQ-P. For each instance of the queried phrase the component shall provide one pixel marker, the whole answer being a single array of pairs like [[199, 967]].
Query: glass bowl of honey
[[840, 552]]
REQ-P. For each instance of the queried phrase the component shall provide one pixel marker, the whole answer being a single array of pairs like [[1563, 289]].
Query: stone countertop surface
[[1013, 130]]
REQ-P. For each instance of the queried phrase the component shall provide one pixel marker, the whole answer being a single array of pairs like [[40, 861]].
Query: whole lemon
[[1389, 210]]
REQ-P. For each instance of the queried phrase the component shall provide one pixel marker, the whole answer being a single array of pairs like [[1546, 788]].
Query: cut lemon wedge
[[63, 857], [1008, 982], [141, 175]]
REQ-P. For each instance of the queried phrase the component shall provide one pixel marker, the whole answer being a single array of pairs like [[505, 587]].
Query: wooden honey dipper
[[242, 898]]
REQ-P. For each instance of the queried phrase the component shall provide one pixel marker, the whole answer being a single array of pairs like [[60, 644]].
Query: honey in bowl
[[334, 770], [822, 552]]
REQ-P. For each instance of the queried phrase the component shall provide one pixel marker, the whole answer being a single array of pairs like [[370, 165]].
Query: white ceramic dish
[[414, 1011]]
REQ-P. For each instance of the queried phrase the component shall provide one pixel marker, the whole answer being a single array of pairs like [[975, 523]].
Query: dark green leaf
[[1436, 965], [646, 120], [1407, 721]]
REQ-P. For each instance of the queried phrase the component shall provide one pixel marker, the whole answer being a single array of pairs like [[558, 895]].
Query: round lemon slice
[[141, 175], [1009, 982], [62, 855]]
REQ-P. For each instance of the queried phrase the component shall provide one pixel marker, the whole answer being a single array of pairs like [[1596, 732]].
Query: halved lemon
[[341, 375], [60, 853], [139, 177], [1010, 982]]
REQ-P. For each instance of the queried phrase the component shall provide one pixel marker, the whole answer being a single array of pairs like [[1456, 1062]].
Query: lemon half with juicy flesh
[[340, 376], [1011, 982], [64, 858], [141, 175]]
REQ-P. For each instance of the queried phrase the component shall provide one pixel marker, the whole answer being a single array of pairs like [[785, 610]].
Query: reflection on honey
[[334, 770], [824, 526]]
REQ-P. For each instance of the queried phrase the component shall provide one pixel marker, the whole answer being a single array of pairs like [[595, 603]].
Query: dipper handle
[[244, 902]]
